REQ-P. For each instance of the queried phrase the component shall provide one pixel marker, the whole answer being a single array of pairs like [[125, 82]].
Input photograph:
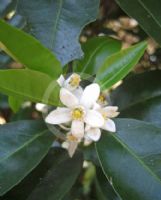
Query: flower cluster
[[85, 112]]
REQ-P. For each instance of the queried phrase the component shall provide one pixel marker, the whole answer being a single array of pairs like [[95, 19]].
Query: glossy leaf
[[28, 51], [139, 97], [104, 189], [96, 50], [119, 65], [24, 189], [29, 85], [59, 178], [147, 13], [130, 158], [22, 146], [59, 27]]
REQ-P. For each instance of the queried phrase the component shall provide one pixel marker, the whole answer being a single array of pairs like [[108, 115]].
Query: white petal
[[90, 95], [59, 116], [61, 80], [87, 127], [72, 146], [93, 134], [94, 118], [87, 141], [67, 98], [77, 128], [96, 106], [109, 126], [111, 111], [78, 92]]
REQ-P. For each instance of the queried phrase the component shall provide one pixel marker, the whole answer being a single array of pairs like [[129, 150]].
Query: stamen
[[78, 113], [102, 99], [75, 80]]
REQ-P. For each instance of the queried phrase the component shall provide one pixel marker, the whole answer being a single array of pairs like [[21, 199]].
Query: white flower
[[84, 114], [71, 144], [71, 83], [94, 134], [78, 110]]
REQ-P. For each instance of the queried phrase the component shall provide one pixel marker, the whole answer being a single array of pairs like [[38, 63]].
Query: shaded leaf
[[30, 182], [23, 144], [104, 189], [59, 178], [147, 13], [130, 158], [139, 97], [59, 27]]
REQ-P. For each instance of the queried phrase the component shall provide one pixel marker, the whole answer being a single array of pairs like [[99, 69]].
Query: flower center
[[75, 80], [78, 113]]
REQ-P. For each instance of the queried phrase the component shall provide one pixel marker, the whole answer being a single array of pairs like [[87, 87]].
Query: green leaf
[[28, 51], [15, 103], [130, 158], [29, 85], [104, 189], [24, 189], [96, 50], [139, 97], [59, 178], [119, 65], [23, 144], [60, 26], [147, 13]]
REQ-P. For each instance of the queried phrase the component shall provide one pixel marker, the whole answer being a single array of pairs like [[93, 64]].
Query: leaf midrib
[[93, 53], [105, 173], [136, 157], [147, 9], [56, 23], [23, 146], [25, 96], [115, 75], [141, 101]]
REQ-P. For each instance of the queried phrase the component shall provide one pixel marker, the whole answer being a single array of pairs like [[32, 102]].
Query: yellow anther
[[102, 99], [77, 114], [75, 80]]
